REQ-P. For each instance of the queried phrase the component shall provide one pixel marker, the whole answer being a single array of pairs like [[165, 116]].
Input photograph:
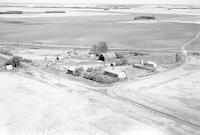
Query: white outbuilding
[[151, 64], [122, 75], [115, 73], [9, 67]]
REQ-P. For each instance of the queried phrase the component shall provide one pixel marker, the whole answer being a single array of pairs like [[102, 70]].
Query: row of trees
[[179, 57]]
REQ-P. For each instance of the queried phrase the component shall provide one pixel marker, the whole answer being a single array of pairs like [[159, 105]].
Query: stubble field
[[87, 30]]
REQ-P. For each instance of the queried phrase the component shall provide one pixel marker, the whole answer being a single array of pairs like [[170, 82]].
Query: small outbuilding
[[150, 64], [71, 70], [111, 73], [141, 61], [76, 71], [115, 73], [9, 67], [107, 56]]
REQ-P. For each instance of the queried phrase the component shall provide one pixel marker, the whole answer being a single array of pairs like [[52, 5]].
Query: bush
[[100, 77], [179, 57], [118, 56], [78, 71], [6, 52], [26, 60], [90, 69], [121, 62], [145, 18], [105, 79], [89, 76], [100, 48]]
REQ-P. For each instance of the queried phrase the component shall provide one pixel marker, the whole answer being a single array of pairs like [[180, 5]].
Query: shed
[[9, 67], [151, 64], [76, 71], [115, 73], [141, 61], [111, 73], [107, 56], [71, 70]]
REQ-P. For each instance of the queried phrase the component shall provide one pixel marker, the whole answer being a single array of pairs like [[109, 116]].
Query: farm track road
[[183, 48]]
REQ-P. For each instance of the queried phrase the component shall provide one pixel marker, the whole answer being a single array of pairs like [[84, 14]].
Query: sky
[[194, 2]]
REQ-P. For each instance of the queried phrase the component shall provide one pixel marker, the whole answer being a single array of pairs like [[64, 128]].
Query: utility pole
[[2, 37], [58, 78], [17, 42]]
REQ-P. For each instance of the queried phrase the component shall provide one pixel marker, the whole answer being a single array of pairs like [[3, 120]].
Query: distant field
[[195, 46], [87, 30]]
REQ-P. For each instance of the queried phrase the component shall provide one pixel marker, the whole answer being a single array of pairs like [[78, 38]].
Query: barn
[[107, 56]]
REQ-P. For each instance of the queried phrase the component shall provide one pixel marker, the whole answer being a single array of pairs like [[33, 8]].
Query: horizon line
[[99, 3]]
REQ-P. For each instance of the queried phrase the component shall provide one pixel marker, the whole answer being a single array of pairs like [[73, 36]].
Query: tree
[[178, 57], [100, 48]]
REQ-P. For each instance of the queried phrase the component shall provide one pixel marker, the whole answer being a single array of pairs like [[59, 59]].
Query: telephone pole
[[17, 42], [2, 37]]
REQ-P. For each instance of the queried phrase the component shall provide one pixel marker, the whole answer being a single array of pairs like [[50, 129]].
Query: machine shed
[[115, 73]]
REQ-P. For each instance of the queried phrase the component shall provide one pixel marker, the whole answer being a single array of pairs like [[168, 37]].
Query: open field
[[175, 94], [195, 46], [87, 30]]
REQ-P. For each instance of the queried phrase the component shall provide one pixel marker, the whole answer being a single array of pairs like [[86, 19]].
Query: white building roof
[[9, 67], [151, 63], [71, 68]]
